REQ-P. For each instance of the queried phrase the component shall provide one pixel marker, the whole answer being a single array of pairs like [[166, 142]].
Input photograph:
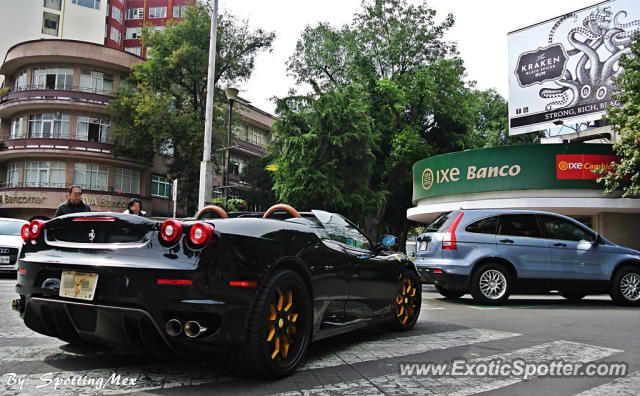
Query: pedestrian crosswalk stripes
[[402, 346], [629, 385], [394, 384]]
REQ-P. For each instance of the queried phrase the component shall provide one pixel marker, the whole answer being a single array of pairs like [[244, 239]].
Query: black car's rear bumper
[[130, 309]]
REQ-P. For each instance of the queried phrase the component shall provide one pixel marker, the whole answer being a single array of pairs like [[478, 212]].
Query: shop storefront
[[554, 177]]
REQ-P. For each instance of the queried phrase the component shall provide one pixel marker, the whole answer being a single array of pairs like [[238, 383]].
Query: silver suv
[[494, 253]]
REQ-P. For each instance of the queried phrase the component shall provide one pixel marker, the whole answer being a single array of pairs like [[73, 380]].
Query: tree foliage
[[626, 121], [386, 91], [162, 110], [491, 119]]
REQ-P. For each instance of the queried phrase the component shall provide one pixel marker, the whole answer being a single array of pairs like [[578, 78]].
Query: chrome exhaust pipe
[[193, 329], [173, 327]]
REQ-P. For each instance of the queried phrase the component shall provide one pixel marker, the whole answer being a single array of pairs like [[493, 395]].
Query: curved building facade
[[55, 131], [554, 177]]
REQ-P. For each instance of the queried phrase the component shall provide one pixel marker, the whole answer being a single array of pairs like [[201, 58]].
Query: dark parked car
[[262, 288], [494, 253]]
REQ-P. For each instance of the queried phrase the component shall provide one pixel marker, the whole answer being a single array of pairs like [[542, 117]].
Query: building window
[[159, 28], [50, 23], [257, 137], [134, 13], [49, 125], [239, 132], [116, 13], [133, 50], [95, 81], [13, 172], [127, 180], [90, 176], [160, 186], [16, 128], [52, 78], [179, 11], [157, 12], [88, 3], [45, 174], [93, 129], [133, 33], [53, 4], [21, 81], [115, 35], [237, 165]]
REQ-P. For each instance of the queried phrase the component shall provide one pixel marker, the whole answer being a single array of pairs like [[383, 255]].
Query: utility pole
[[206, 167]]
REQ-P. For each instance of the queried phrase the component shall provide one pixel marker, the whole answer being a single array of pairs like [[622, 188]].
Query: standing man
[[74, 204]]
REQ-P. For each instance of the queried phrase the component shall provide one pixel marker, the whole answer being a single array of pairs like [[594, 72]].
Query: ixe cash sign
[[453, 174]]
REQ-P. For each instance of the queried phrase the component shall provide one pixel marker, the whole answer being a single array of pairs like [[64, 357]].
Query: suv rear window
[[484, 226], [442, 222]]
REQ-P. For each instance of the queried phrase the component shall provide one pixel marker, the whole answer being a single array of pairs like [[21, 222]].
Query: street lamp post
[[232, 95], [206, 168]]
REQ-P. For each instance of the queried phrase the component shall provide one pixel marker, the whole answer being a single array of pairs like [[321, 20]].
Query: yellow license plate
[[80, 285]]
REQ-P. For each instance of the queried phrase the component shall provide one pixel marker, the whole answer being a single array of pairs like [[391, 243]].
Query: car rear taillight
[[184, 282], [171, 231], [25, 232], [35, 228], [449, 240], [201, 233]]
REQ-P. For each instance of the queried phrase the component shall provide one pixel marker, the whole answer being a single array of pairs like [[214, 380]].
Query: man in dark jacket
[[74, 204]]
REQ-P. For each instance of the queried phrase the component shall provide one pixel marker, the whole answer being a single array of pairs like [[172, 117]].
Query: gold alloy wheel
[[281, 324], [406, 301]]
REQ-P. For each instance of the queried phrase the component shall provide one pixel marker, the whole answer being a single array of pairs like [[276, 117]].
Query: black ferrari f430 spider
[[261, 286]]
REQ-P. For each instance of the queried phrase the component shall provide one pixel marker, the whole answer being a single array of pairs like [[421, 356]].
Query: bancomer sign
[[526, 167]]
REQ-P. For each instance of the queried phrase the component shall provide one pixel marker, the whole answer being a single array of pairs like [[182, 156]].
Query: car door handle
[[506, 240], [560, 244]]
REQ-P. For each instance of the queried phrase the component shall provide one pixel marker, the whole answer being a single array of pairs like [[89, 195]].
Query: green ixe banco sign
[[522, 167]]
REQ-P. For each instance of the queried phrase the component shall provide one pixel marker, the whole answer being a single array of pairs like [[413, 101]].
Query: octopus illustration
[[593, 75]]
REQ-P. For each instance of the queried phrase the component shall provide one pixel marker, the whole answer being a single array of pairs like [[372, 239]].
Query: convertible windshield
[[340, 230]]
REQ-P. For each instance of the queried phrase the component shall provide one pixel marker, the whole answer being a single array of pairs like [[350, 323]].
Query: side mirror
[[599, 240], [388, 241]]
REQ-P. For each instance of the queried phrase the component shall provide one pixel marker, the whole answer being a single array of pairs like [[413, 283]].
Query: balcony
[[57, 142], [36, 95], [239, 180], [248, 148]]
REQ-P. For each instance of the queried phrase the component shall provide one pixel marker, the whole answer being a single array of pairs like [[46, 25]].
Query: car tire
[[407, 302], [625, 286], [279, 328], [491, 284], [571, 296], [449, 293]]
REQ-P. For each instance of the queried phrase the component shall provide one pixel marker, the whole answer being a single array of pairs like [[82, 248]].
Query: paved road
[[362, 363]]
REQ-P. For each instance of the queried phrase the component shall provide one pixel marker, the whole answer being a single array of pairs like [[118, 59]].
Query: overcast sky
[[480, 30]]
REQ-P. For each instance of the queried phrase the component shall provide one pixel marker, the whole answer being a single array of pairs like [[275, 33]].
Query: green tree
[[162, 110], [626, 121], [387, 90], [492, 121]]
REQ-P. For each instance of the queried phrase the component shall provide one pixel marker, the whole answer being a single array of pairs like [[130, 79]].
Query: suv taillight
[[171, 231], [449, 239]]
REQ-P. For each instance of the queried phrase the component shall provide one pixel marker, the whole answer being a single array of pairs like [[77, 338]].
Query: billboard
[[562, 71]]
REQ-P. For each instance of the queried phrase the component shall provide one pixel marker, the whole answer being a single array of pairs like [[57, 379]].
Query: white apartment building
[[24, 20]]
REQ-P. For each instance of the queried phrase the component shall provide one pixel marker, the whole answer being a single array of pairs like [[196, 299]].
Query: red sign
[[582, 166]]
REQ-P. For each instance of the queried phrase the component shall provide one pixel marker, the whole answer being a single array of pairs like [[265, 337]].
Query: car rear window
[[442, 222], [484, 226]]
